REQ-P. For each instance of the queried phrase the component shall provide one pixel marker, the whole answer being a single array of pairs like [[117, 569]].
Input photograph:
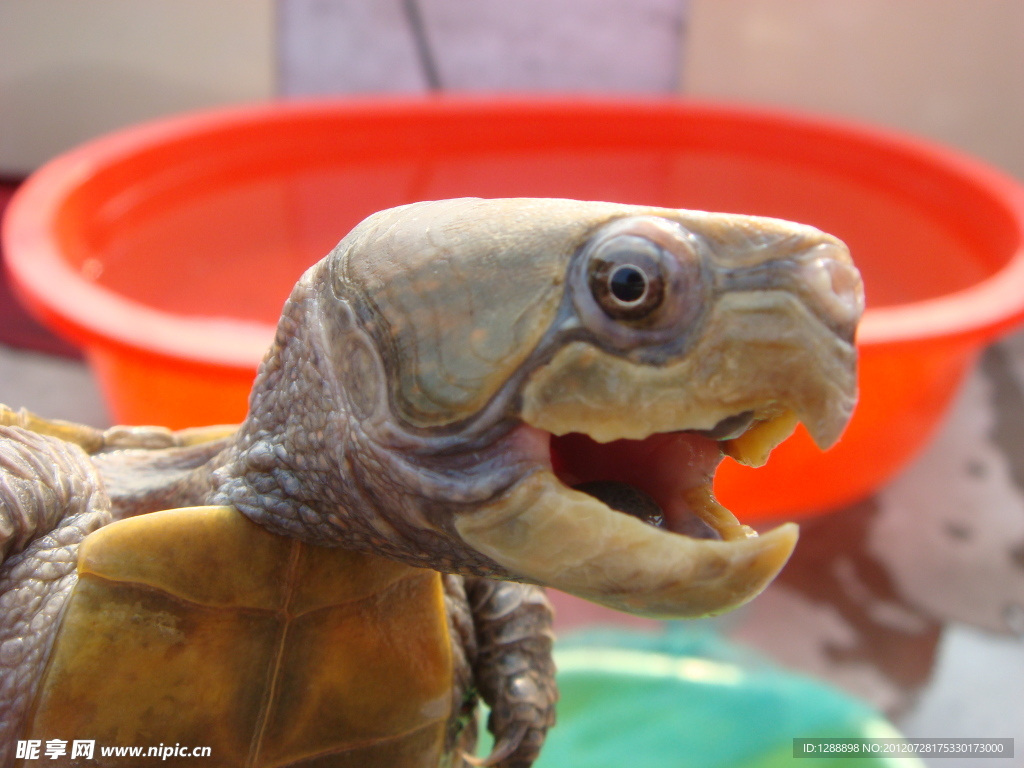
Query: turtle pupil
[[628, 284]]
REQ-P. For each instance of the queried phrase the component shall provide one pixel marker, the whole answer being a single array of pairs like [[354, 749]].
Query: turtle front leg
[[51, 498], [514, 670]]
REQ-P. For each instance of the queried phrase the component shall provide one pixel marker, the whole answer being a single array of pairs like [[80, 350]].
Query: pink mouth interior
[[663, 466]]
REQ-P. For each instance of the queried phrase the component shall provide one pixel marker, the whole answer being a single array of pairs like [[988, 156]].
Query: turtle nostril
[[836, 286]]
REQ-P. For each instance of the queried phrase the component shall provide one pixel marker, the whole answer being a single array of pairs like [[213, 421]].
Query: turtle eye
[[627, 279], [638, 284]]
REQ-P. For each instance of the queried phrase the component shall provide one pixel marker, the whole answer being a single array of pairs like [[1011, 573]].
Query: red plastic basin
[[166, 250]]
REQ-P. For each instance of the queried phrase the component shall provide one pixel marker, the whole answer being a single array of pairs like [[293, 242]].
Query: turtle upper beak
[[818, 281]]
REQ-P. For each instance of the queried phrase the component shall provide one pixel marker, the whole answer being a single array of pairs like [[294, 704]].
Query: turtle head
[[541, 390]]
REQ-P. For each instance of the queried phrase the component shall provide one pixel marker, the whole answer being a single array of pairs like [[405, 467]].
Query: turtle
[[465, 402]]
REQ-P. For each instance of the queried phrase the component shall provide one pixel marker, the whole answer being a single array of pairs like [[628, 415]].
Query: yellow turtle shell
[[197, 627]]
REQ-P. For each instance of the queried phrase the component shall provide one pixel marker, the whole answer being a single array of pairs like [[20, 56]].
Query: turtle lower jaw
[[542, 530]]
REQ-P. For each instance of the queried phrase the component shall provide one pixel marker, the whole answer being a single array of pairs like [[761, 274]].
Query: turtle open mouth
[[633, 523], [666, 479]]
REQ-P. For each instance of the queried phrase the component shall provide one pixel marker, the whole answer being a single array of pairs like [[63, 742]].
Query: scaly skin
[[51, 498], [513, 669]]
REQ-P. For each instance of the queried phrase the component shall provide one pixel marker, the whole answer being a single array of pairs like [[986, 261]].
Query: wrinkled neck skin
[[321, 459]]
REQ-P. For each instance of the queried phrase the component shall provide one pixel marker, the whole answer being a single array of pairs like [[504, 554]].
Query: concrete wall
[[73, 69], [949, 69]]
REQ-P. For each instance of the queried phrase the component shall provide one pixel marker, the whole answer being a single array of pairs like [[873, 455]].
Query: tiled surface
[[351, 46], [572, 45], [346, 46]]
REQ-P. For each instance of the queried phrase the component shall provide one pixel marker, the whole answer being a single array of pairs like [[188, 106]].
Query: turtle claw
[[504, 748]]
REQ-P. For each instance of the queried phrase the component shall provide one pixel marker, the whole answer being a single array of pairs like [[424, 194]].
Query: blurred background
[[912, 600]]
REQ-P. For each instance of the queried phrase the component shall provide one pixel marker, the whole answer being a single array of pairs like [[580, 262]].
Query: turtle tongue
[[630, 500]]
